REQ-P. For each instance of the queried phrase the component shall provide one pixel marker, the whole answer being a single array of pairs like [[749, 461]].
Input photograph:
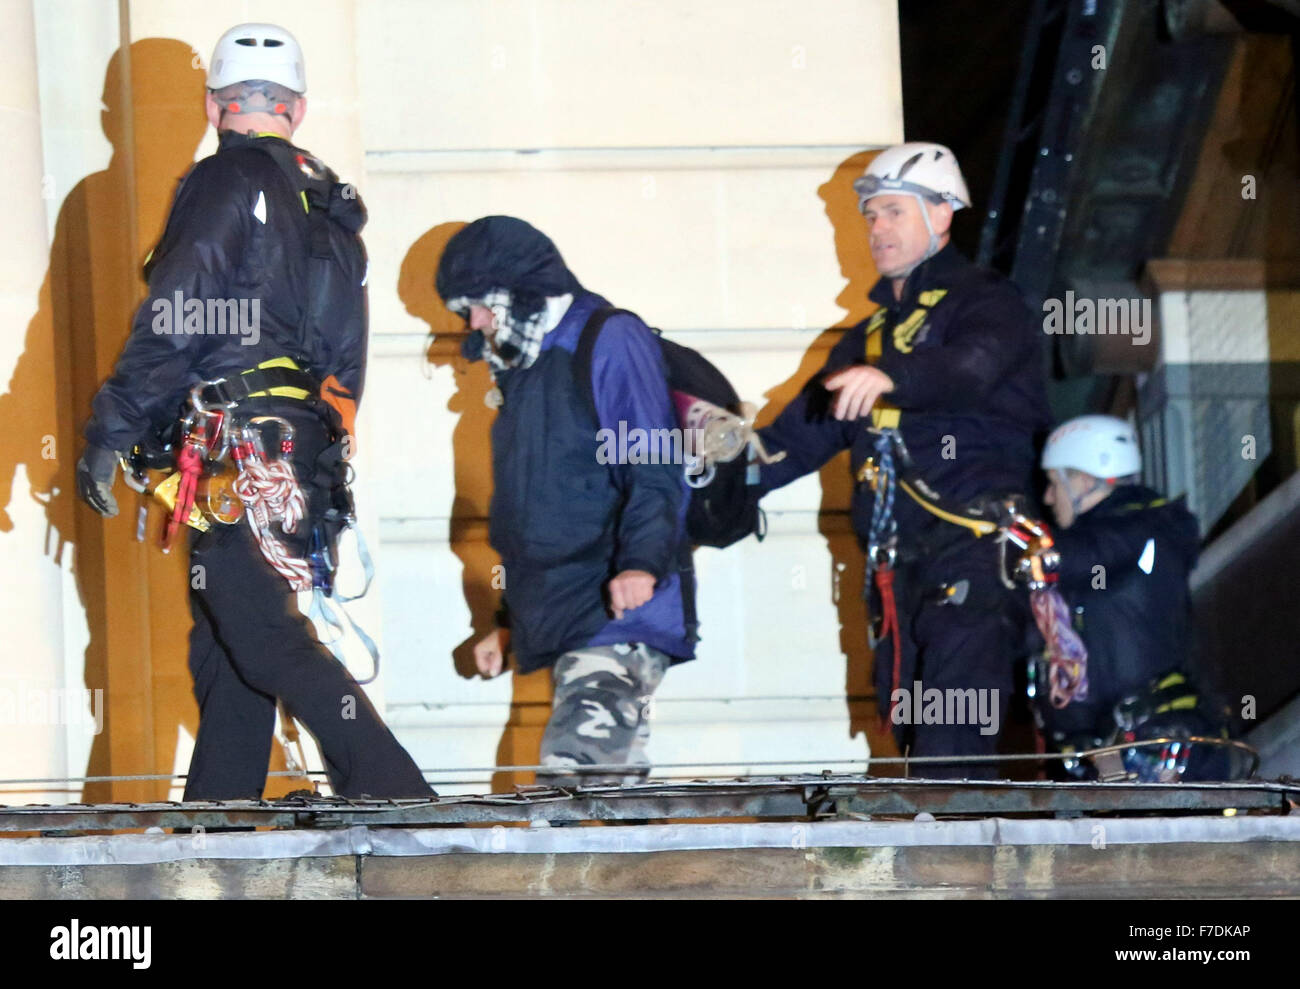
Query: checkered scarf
[[514, 343]]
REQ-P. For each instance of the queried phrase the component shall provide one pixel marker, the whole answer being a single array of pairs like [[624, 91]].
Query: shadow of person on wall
[[134, 597], [472, 466], [482, 576], [851, 249]]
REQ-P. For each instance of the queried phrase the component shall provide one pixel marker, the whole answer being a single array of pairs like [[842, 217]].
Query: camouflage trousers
[[601, 714]]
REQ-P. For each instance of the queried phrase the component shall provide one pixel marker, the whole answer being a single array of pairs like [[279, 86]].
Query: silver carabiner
[[202, 407], [286, 432], [882, 556], [198, 407]]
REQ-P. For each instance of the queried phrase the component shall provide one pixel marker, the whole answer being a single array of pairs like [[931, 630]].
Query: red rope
[[888, 624], [189, 461]]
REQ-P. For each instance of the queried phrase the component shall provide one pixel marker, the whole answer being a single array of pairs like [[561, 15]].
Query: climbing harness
[[271, 493], [882, 547], [224, 474], [889, 470]]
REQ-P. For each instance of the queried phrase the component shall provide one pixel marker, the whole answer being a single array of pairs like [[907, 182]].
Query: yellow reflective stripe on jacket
[[1185, 703], [1171, 680], [905, 331], [1137, 506]]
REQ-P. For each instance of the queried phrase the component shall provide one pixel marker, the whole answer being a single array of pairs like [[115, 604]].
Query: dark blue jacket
[[239, 230], [964, 353], [563, 522], [1124, 570]]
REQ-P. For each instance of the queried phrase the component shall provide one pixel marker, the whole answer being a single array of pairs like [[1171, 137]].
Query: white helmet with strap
[[1103, 446], [257, 51], [917, 168], [927, 171]]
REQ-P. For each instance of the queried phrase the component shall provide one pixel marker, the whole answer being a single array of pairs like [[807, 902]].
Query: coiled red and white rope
[[270, 493]]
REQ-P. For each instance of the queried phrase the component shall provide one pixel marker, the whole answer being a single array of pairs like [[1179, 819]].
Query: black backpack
[[725, 510]]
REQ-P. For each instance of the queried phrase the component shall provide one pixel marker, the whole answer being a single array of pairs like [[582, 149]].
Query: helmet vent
[[246, 42], [271, 42], [907, 165]]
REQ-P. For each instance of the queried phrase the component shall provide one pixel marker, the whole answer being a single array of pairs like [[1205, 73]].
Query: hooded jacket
[[241, 231], [1124, 570], [562, 517]]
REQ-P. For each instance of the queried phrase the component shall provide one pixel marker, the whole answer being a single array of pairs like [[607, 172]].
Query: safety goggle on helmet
[[917, 168]]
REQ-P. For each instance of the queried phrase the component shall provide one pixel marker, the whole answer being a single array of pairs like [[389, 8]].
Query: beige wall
[[692, 161], [31, 579]]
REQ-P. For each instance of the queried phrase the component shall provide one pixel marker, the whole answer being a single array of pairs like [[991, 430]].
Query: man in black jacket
[[949, 365], [257, 288], [1125, 554]]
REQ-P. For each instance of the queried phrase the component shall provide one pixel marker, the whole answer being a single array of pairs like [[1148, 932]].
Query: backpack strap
[[313, 186], [586, 348], [314, 194]]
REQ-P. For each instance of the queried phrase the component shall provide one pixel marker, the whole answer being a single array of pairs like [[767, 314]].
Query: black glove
[[96, 471]]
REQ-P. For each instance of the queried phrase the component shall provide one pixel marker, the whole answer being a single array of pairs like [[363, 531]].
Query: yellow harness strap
[[282, 391], [888, 417], [883, 416], [979, 527]]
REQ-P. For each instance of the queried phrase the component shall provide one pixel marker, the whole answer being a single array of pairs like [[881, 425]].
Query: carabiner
[[202, 407], [286, 432]]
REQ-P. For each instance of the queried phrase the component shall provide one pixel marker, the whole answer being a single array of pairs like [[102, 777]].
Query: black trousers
[[250, 645], [952, 649]]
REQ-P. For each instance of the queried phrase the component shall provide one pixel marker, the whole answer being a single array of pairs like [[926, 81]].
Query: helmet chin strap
[[933, 247], [1077, 500]]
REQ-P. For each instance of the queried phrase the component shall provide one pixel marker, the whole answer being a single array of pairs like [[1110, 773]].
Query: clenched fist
[[490, 652], [630, 590]]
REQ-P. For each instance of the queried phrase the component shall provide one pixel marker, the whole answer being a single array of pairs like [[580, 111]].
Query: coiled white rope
[[271, 493]]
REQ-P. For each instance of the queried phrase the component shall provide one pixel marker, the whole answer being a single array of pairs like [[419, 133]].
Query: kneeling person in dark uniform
[[1123, 554], [265, 231]]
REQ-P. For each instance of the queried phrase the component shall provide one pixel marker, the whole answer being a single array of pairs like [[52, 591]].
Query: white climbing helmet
[[257, 51], [1102, 446], [918, 168]]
